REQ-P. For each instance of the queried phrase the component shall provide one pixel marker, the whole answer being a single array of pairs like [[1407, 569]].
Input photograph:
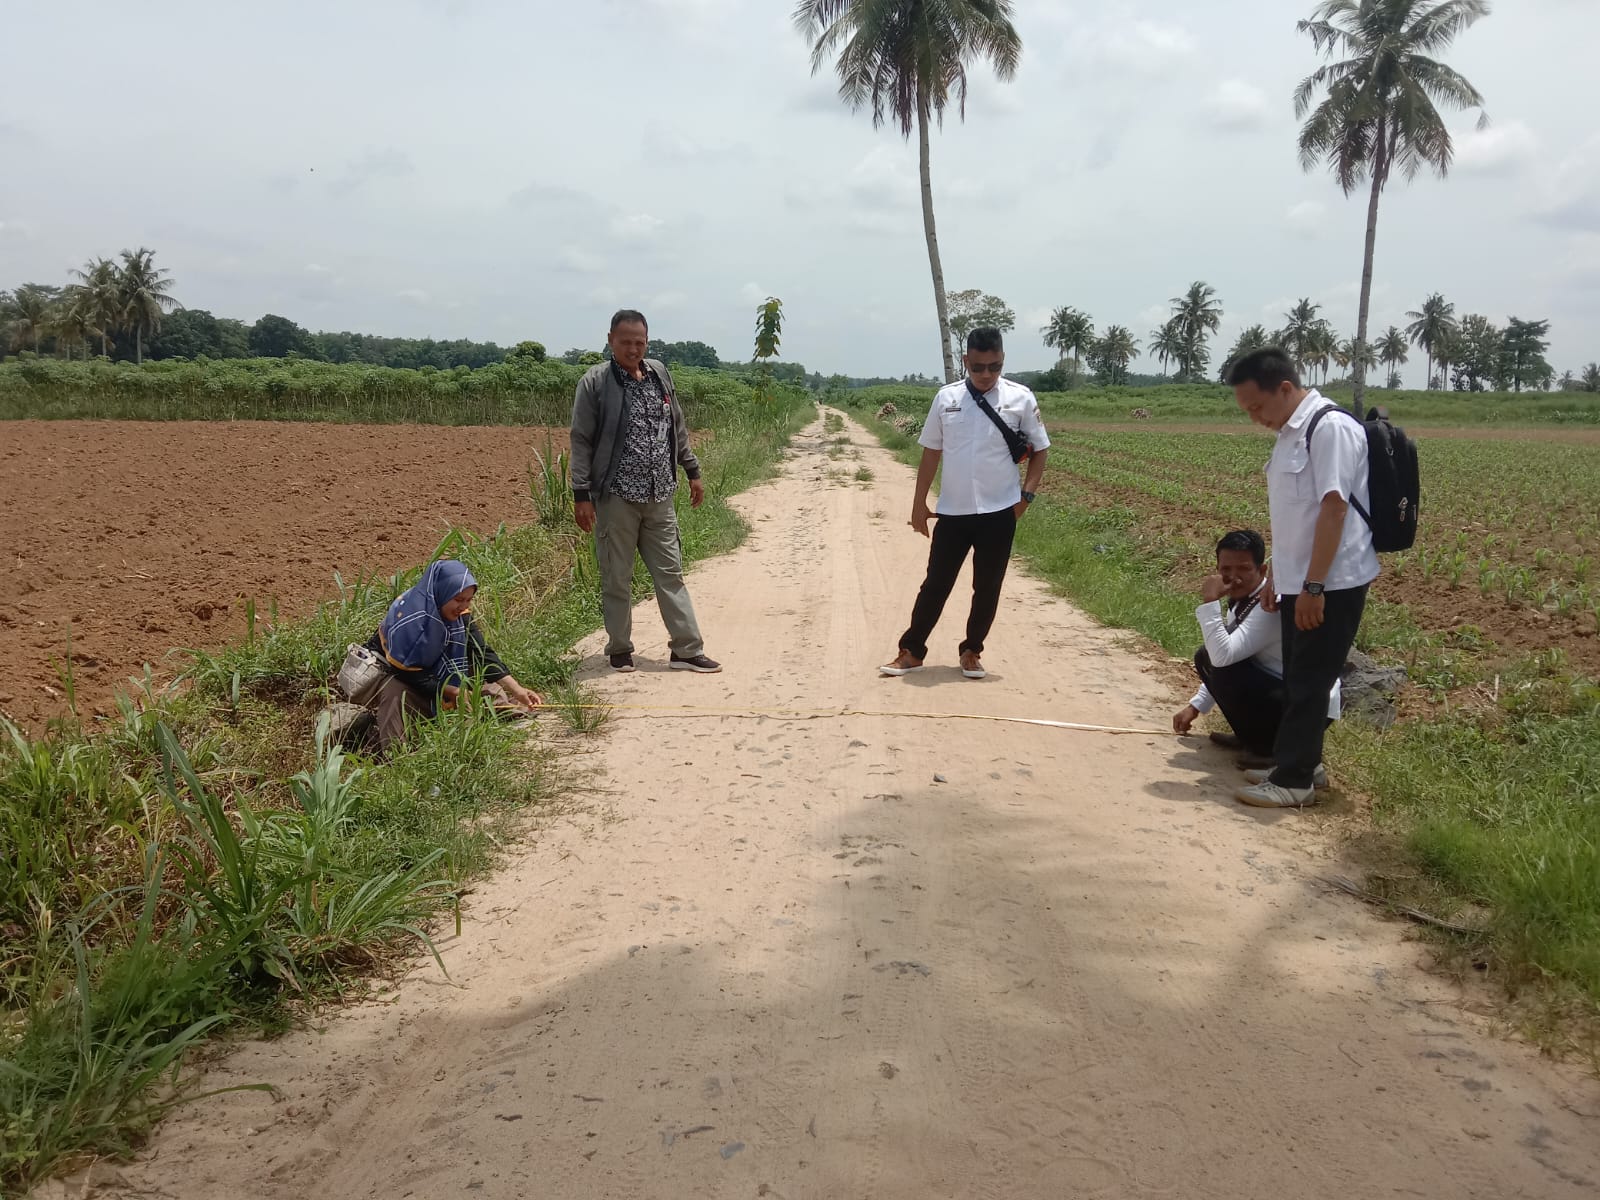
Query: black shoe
[[1228, 741], [699, 663], [622, 663]]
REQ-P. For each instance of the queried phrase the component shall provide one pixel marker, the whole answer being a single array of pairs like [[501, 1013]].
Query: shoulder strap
[[1311, 427], [1014, 443]]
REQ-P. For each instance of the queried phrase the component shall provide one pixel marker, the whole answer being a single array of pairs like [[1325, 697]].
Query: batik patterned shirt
[[646, 473]]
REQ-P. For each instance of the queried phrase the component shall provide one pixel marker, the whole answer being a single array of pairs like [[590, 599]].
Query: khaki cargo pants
[[622, 529]]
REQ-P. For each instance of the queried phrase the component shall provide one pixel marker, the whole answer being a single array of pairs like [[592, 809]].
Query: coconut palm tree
[[1069, 332], [1430, 324], [32, 313], [907, 60], [72, 326], [1198, 313], [1300, 323], [1358, 355], [1321, 342], [1591, 378], [1393, 351], [101, 297], [145, 291], [1113, 352], [1252, 339], [1166, 343], [1379, 107]]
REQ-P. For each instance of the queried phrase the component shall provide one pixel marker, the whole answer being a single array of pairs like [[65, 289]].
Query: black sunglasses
[[989, 368]]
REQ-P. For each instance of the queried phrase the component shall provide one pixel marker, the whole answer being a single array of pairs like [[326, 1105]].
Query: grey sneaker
[[1319, 780], [622, 663], [699, 663], [1270, 795]]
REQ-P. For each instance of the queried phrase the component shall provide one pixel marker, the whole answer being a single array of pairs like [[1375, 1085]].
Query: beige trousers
[[623, 529]]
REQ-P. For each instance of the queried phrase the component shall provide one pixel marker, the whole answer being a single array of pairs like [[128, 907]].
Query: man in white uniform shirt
[[1240, 663], [981, 496], [1322, 558]]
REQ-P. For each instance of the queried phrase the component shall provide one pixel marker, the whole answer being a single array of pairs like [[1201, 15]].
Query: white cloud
[[669, 301], [1571, 198], [1237, 105], [754, 293], [15, 228], [1308, 218], [1145, 46], [317, 269], [1498, 150], [415, 295], [636, 227], [580, 261]]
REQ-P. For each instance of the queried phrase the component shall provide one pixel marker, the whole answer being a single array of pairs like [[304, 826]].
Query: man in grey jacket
[[629, 438]]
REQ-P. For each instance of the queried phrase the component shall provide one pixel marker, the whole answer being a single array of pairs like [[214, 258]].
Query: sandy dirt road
[[781, 960]]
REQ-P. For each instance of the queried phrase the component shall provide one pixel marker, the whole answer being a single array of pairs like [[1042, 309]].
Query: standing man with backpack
[[982, 428], [1323, 556]]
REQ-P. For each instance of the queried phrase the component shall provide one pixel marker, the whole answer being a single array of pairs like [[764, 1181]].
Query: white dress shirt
[[979, 476], [1258, 638], [1297, 482]]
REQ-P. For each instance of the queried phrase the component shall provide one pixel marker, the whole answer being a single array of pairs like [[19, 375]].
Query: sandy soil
[[133, 537], [782, 958]]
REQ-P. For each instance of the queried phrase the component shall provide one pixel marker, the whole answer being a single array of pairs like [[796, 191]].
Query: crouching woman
[[430, 646]]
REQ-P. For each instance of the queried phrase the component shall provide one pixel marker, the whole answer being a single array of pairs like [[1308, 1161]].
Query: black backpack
[[1394, 480]]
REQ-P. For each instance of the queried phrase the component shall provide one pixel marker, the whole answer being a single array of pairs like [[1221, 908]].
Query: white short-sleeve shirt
[[979, 476], [1297, 481]]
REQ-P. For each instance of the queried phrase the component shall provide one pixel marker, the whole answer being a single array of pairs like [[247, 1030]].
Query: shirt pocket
[[1296, 473]]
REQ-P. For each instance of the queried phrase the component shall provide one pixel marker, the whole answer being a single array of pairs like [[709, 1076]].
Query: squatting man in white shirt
[[1323, 560], [1240, 663], [980, 496]]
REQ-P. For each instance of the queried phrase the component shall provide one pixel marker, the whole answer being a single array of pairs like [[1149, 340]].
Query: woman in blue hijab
[[431, 646]]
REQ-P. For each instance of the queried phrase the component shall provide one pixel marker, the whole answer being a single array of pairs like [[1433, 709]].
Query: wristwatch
[[1313, 589], [1029, 497]]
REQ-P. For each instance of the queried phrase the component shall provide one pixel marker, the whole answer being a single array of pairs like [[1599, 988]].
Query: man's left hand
[[1308, 612], [697, 493]]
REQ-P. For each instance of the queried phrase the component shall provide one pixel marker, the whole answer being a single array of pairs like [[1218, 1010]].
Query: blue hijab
[[414, 633]]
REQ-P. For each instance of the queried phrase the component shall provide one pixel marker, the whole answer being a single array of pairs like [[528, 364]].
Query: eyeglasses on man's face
[[986, 368]]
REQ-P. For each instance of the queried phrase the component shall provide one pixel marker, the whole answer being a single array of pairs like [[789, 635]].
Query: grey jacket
[[599, 415]]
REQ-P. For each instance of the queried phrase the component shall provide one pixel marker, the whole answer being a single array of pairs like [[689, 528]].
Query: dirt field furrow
[[129, 538]]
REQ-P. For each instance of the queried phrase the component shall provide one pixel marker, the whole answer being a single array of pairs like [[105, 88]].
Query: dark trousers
[[1312, 661], [1250, 698], [988, 536]]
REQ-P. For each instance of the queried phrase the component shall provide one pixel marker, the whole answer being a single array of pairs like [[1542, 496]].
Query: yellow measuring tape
[[818, 714]]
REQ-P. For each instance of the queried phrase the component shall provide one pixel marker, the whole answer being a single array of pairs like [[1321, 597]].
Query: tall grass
[[516, 392], [209, 858]]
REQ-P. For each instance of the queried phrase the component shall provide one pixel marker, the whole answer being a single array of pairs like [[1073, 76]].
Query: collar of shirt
[[1302, 412], [624, 378]]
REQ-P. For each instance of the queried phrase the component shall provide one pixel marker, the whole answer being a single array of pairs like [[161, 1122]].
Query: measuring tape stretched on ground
[[818, 714]]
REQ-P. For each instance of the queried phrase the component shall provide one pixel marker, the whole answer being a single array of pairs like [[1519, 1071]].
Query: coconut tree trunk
[[933, 242], [1429, 384], [1380, 174]]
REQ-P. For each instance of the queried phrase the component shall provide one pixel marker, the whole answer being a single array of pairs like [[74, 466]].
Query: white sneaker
[[1271, 795], [1319, 779]]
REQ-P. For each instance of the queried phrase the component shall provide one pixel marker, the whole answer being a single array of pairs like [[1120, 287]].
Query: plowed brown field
[[126, 539]]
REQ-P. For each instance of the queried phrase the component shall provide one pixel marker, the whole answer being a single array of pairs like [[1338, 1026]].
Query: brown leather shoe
[[972, 666], [904, 664]]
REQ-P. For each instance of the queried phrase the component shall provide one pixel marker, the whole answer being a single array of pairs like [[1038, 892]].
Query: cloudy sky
[[502, 169]]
